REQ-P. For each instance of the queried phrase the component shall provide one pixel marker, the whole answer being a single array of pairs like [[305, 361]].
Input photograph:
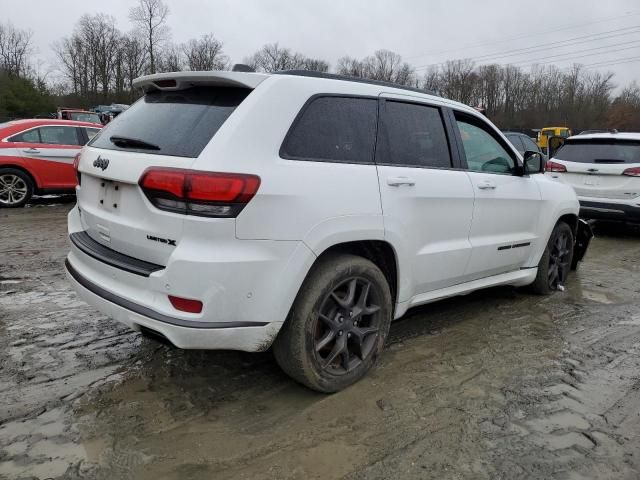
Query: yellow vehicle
[[546, 132]]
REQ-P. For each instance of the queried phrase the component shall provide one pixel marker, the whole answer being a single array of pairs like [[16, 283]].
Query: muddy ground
[[495, 385]]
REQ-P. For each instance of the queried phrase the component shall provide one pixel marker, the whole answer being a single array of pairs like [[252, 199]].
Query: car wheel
[[16, 188], [556, 261], [338, 324]]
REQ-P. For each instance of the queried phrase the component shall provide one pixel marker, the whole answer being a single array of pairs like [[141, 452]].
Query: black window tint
[[180, 123], [30, 136], [599, 151], [412, 135], [59, 136], [337, 129], [483, 151]]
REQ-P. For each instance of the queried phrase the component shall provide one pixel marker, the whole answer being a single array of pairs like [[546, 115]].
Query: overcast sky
[[423, 32]]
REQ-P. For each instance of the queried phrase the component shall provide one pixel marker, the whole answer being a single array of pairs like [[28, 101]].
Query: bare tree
[[273, 58], [15, 48], [205, 53], [383, 65], [150, 17], [171, 59]]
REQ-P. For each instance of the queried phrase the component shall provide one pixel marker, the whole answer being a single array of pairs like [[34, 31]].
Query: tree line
[[98, 63]]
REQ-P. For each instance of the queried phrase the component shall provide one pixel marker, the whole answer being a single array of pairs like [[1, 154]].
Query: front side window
[[482, 150], [59, 136], [412, 135], [338, 129], [516, 141], [529, 145]]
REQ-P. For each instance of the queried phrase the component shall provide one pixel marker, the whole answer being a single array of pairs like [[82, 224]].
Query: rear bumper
[[596, 210], [246, 287], [181, 333]]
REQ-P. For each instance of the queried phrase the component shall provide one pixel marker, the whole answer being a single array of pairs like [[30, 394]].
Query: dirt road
[[495, 385]]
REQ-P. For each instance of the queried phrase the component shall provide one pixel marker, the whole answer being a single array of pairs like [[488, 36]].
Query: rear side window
[[178, 123], [337, 129], [59, 136], [606, 151], [30, 136], [412, 135]]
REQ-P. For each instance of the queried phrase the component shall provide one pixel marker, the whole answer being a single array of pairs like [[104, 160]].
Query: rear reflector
[[76, 162], [632, 172], [186, 304], [551, 166], [206, 194]]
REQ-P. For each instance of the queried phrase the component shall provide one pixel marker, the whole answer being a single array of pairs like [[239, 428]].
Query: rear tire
[[16, 188], [338, 324], [556, 261]]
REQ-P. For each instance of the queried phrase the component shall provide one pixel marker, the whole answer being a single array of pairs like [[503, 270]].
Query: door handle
[[31, 150], [487, 185], [397, 181]]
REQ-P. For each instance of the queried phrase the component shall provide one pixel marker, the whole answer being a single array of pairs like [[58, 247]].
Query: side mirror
[[533, 162]]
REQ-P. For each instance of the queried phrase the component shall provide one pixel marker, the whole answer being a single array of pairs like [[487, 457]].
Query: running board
[[517, 278]]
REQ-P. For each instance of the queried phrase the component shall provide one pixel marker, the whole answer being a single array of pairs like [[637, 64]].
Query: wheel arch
[[36, 184], [380, 252]]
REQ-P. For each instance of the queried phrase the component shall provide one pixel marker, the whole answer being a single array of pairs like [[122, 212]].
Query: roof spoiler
[[181, 80]]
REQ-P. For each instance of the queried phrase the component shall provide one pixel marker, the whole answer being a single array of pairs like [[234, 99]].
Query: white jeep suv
[[234, 210], [603, 168]]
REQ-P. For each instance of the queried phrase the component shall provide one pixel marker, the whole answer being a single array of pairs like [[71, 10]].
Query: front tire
[[16, 188], [338, 324], [556, 261]]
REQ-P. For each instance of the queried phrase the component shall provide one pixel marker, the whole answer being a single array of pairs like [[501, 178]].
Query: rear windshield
[[600, 152], [178, 123]]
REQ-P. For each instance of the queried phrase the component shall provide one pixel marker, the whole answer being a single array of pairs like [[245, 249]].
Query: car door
[[52, 153], [427, 202], [507, 204]]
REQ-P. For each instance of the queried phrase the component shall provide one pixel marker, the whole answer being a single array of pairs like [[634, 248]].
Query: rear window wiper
[[125, 142]]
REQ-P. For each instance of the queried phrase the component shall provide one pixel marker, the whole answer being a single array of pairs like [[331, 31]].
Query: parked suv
[[232, 210], [603, 168]]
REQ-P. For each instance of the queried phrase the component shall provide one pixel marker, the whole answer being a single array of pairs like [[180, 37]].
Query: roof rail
[[346, 78]]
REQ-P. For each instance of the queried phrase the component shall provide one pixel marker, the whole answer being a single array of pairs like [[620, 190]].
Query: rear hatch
[[166, 129], [605, 168]]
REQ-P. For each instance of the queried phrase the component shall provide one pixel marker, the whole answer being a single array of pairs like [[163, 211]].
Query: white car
[[603, 168], [233, 210]]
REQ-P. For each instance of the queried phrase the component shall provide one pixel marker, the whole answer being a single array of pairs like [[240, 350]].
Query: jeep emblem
[[100, 162]]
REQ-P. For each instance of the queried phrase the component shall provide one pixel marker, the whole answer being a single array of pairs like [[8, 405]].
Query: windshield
[[603, 151], [179, 123], [84, 117]]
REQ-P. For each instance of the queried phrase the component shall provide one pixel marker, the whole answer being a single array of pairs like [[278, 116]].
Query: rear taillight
[[76, 162], [552, 166], [206, 194], [186, 304], [632, 172]]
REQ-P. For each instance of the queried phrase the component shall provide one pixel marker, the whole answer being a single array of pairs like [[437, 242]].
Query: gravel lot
[[497, 385]]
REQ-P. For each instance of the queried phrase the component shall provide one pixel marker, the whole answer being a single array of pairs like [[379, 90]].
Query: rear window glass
[[178, 123], [600, 152], [412, 135], [340, 129], [516, 141]]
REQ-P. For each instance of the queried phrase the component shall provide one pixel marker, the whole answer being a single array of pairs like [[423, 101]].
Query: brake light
[[190, 192], [552, 166], [186, 304], [76, 163], [632, 172]]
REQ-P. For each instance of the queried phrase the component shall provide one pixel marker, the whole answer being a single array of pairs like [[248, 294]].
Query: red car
[[36, 157]]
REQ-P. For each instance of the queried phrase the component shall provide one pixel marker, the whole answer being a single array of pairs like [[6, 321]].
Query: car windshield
[[600, 151], [178, 123]]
